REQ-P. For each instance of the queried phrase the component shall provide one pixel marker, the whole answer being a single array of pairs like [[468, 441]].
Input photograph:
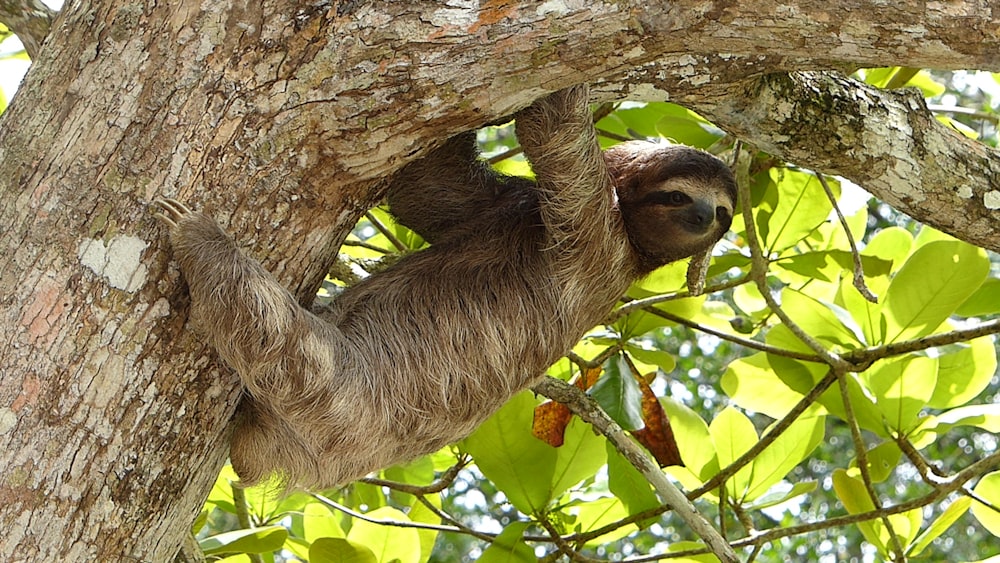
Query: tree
[[284, 119]]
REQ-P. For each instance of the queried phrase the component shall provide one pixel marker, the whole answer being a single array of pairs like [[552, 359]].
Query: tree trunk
[[281, 119]]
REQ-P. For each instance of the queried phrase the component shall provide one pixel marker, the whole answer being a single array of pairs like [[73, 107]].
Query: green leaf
[[868, 415], [256, 540], [985, 301], [941, 524], [893, 244], [530, 472], [597, 513], [626, 483], [901, 387], [693, 439], [787, 451], [801, 208], [580, 457], [988, 489], [660, 119], [653, 358], [823, 321], [339, 550], [388, 543], [852, 493], [619, 395], [732, 435], [777, 495], [882, 460], [509, 547], [752, 384], [519, 464], [319, 522], [963, 372], [676, 547], [986, 417], [828, 265], [419, 512], [935, 280]]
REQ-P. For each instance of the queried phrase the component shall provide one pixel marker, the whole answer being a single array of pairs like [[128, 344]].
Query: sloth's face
[[675, 201]]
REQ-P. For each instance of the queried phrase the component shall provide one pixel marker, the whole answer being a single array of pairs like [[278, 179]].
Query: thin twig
[[869, 355], [746, 342], [385, 522], [633, 304], [859, 272], [386, 232], [243, 516], [768, 438], [861, 452], [442, 483], [562, 545], [587, 409], [758, 272], [363, 244]]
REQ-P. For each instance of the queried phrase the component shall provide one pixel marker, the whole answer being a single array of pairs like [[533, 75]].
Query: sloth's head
[[675, 201]]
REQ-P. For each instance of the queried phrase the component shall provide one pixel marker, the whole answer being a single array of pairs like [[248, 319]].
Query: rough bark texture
[[281, 119]]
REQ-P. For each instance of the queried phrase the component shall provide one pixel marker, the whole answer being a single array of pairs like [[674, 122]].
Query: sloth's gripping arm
[[574, 187], [451, 188], [253, 322]]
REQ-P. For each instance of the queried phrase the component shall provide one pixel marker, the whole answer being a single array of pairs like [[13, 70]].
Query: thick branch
[[30, 20], [885, 141], [587, 409]]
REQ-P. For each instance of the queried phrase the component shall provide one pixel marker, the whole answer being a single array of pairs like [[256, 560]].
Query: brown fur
[[416, 356]]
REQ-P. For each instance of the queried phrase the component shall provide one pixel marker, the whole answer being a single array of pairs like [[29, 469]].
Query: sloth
[[416, 356]]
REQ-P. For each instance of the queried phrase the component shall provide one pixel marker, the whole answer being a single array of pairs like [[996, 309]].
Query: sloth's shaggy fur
[[416, 356]]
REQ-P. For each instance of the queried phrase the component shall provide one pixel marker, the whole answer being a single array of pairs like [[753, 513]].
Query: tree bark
[[282, 119]]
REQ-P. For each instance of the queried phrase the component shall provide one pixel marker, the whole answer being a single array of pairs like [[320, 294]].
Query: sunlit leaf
[[986, 417], [732, 435], [941, 524], [579, 458], [901, 387], [787, 451], [935, 280], [508, 546], [751, 383], [625, 481], [800, 209], [963, 372], [985, 301], [988, 489], [676, 547], [419, 512], [823, 321], [388, 543], [256, 540], [319, 522], [339, 550], [778, 495], [693, 439], [656, 358], [598, 513], [519, 464], [866, 412], [852, 493], [530, 472]]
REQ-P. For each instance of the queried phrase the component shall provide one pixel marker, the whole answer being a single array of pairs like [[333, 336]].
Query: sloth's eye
[[678, 198], [672, 199]]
